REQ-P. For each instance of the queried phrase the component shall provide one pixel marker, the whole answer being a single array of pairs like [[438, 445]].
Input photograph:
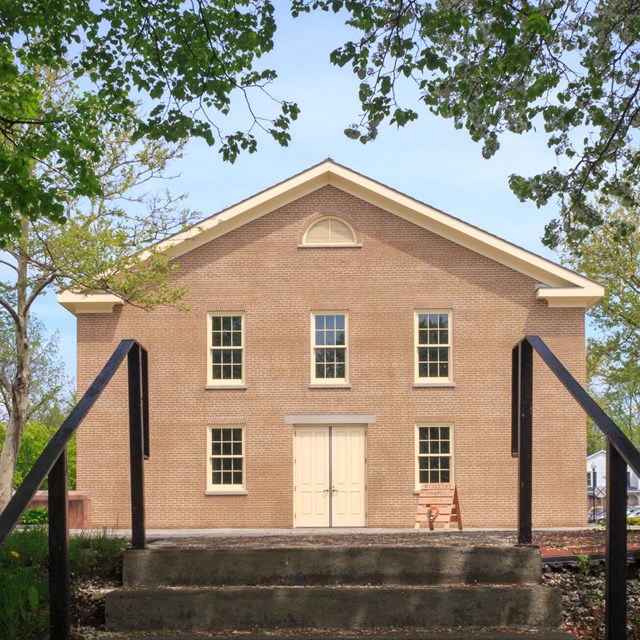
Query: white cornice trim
[[88, 303], [570, 297]]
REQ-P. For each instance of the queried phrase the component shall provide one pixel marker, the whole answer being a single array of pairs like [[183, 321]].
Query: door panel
[[348, 475], [330, 476], [312, 477]]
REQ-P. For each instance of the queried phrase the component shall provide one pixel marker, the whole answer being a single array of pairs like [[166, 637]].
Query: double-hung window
[[226, 349], [226, 459], [329, 356], [434, 454], [433, 347]]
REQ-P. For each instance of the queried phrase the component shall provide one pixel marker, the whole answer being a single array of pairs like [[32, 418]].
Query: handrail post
[[525, 469], [515, 400], [136, 445], [145, 401], [616, 569], [59, 577]]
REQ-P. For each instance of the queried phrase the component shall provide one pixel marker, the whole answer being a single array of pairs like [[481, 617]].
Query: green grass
[[24, 559]]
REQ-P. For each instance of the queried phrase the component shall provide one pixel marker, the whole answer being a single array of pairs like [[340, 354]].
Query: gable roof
[[559, 286]]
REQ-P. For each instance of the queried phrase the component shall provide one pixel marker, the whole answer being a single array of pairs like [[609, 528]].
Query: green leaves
[[496, 68], [186, 62], [537, 23]]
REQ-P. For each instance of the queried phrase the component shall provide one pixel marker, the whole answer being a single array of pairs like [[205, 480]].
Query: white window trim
[[215, 383], [230, 489], [416, 455], [329, 382], [354, 243], [426, 381]]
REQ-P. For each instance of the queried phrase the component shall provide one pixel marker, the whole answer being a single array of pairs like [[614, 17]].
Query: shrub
[[633, 521], [40, 515]]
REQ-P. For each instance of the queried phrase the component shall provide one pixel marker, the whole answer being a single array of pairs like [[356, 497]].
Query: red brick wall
[[260, 270]]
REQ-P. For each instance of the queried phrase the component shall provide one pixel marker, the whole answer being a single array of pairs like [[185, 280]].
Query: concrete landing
[[373, 634]]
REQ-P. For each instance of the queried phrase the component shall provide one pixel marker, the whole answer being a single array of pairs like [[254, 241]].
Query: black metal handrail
[[620, 453], [53, 462]]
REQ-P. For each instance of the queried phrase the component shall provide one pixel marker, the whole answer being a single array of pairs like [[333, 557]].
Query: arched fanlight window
[[330, 231]]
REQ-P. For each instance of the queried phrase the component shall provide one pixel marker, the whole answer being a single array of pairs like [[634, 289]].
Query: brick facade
[[260, 270]]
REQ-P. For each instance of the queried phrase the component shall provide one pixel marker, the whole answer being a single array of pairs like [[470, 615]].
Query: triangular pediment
[[559, 286]]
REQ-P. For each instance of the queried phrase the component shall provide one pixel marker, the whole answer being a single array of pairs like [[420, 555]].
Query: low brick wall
[[79, 507]]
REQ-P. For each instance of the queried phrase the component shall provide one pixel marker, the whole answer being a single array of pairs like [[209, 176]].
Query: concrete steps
[[305, 592], [418, 565]]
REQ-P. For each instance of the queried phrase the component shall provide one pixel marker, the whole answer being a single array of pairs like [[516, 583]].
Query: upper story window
[[329, 231], [433, 346], [329, 347], [226, 349]]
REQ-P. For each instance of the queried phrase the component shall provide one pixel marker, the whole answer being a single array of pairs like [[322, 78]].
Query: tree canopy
[[186, 62], [614, 262], [100, 248], [613, 349], [568, 68], [50, 389]]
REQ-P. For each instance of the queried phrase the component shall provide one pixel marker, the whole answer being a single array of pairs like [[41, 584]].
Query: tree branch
[[5, 388], [10, 310], [37, 290], [8, 264]]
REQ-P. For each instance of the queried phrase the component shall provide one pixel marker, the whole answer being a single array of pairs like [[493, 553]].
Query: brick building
[[345, 343]]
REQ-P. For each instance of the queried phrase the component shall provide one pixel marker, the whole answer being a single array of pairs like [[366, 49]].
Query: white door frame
[[331, 487]]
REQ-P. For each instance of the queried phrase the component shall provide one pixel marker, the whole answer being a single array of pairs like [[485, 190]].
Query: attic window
[[329, 232]]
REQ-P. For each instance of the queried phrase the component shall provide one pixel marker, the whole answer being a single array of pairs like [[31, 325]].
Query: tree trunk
[[20, 382], [15, 426]]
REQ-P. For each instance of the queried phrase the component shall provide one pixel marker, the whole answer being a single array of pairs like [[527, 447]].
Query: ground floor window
[[226, 459], [434, 460]]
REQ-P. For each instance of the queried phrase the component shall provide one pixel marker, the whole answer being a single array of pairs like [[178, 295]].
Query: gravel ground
[[590, 540], [583, 598]]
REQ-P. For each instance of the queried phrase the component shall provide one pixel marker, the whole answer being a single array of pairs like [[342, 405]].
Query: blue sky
[[428, 160]]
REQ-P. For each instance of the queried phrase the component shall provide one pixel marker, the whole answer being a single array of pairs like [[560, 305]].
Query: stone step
[[332, 607], [332, 565], [412, 633]]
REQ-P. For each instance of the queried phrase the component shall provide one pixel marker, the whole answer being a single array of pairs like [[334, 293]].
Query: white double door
[[330, 476]]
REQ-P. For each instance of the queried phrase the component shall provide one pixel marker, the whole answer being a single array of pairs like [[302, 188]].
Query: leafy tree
[[50, 389], [50, 395], [614, 261], [188, 63], [99, 249], [614, 351], [569, 68], [35, 437], [617, 391]]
